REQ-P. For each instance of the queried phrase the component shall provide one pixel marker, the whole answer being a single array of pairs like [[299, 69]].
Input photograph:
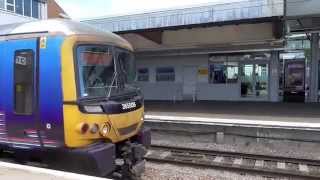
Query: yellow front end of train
[[99, 106]]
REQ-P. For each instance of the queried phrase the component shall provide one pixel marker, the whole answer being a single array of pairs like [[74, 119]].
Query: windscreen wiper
[[114, 77]]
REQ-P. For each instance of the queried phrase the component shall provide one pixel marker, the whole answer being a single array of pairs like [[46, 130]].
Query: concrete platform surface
[[237, 111], [9, 171]]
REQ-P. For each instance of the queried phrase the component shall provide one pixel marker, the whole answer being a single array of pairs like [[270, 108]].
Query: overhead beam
[[155, 36]]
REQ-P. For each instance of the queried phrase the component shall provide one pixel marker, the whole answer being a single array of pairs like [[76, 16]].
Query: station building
[[252, 50], [19, 11], [16, 11]]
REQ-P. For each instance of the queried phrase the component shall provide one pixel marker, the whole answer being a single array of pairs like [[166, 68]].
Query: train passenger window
[[165, 74], [23, 81], [143, 74]]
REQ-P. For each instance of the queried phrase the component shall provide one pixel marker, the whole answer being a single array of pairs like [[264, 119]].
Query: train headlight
[[93, 109], [105, 130], [83, 128], [94, 128]]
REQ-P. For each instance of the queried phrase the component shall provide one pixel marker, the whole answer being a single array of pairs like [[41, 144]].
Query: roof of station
[[60, 26], [196, 15]]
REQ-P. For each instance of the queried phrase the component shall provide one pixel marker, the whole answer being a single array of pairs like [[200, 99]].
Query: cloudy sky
[[82, 9]]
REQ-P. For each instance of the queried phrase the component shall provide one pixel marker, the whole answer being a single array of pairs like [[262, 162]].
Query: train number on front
[[129, 105]]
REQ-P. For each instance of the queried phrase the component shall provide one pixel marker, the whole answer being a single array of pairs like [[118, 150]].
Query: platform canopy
[[303, 15], [244, 10]]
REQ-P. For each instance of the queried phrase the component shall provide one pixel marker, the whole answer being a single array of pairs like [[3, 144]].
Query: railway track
[[270, 166]]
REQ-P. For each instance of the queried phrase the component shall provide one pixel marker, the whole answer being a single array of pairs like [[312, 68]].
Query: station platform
[[290, 115], [10, 171]]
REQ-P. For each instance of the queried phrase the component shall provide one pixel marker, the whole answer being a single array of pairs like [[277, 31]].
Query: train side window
[[143, 74], [165, 74], [23, 81]]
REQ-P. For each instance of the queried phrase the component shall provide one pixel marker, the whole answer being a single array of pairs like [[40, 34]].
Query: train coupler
[[132, 163]]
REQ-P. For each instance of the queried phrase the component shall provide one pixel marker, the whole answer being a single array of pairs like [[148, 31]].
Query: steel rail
[[198, 158]]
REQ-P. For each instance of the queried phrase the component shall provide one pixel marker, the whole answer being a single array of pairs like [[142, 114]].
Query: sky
[[83, 9]]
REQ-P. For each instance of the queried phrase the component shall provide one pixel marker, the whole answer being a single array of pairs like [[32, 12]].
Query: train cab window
[[23, 81], [165, 74], [96, 70], [127, 66], [143, 74]]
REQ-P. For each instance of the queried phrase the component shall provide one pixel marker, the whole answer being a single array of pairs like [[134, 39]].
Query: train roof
[[60, 26]]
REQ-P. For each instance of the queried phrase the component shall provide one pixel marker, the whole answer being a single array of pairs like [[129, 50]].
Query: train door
[[21, 110]]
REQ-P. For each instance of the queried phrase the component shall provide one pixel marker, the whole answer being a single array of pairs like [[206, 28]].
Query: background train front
[[70, 93]]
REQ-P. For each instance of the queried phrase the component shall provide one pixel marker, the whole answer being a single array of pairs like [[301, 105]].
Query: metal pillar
[[274, 77], [314, 68]]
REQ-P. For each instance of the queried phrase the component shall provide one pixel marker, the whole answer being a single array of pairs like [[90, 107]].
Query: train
[[68, 94]]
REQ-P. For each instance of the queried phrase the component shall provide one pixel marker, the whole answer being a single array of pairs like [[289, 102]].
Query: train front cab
[[102, 130]]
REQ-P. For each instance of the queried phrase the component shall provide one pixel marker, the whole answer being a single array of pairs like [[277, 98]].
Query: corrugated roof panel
[[249, 9]]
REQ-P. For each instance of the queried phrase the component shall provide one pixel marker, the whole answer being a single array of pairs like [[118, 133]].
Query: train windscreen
[[104, 70], [96, 70]]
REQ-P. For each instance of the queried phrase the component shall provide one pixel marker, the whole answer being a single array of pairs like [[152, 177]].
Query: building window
[[143, 74], [10, 5], [23, 81], [232, 72], [223, 72], [27, 8], [19, 7], [218, 73], [165, 74], [35, 9], [30, 8], [2, 4]]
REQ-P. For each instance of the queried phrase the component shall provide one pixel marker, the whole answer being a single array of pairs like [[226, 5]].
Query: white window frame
[[10, 4], [40, 14], [4, 5]]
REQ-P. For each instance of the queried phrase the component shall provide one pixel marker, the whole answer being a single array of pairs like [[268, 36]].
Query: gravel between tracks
[[266, 147], [155, 171]]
